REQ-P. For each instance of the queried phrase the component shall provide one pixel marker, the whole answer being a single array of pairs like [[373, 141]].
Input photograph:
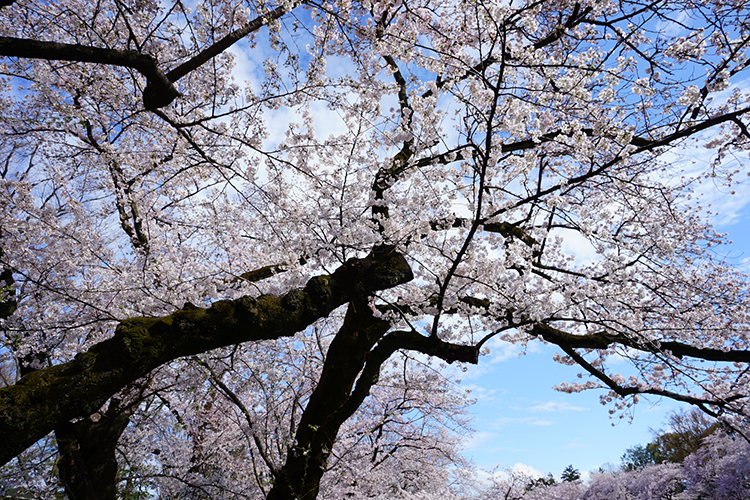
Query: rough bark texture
[[356, 354], [45, 399], [7, 295], [300, 476], [87, 463]]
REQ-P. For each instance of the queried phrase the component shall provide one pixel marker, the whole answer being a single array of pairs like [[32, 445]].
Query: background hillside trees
[[715, 468], [686, 434], [237, 238]]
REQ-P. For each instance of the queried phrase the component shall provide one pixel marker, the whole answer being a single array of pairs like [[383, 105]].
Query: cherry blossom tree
[[719, 469], [662, 481], [244, 229]]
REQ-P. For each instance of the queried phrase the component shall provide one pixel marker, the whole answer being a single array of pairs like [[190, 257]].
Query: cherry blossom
[[245, 234]]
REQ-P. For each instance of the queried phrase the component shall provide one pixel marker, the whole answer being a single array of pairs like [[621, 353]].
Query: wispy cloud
[[503, 421], [479, 440], [484, 394], [576, 444], [553, 406], [501, 350], [542, 423]]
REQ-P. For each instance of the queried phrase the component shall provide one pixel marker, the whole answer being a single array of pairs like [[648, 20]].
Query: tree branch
[[603, 340], [232, 396], [54, 51], [46, 398], [160, 90], [229, 40], [155, 94], [629, 391], [411, 341]]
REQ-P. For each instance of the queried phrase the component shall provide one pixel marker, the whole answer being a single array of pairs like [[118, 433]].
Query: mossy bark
[[300, 476], [48, 398]]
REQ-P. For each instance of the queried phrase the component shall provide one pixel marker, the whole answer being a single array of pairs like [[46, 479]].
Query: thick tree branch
[[603, 340], [630, 391], [576, 17], [265, 272], [506, 229], [351, 356], [155, 94], [327, 408], [8, 303], [550, 136], [387, 177], [47, 398], [160, 90], [410, 341], [217, 48], [54, 51], [87, 462]]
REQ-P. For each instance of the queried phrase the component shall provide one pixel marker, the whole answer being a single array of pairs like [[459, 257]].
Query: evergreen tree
[[570, 474]]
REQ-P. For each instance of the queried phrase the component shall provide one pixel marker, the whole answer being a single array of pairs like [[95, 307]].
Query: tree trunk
[[329, 406], [88, 465], [43, 400]]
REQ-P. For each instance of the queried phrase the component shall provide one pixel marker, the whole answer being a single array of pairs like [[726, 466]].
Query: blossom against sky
[[521, 421]]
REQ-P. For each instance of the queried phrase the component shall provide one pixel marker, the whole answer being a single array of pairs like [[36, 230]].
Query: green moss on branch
[[46, 398]]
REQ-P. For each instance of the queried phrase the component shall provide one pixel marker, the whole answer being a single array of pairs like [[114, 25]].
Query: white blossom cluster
[[513, 152]]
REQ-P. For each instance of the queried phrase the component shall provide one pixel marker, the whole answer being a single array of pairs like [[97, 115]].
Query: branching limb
[[154, 95], [575, 18], [160, 90], [604, 340], [629, 391], [409, 341], [54, 51], [46, 398]]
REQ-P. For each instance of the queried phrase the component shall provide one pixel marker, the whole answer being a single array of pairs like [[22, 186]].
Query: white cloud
[[552, 406], [694, 161], [542, 423], [486, 477], [479, 440], [501, 350], [672, 27], [504, 421], [575, 444], [526, 469], [574, 243], [482, 393]]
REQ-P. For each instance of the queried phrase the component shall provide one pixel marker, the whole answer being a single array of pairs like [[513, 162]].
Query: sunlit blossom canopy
[[261, 226]]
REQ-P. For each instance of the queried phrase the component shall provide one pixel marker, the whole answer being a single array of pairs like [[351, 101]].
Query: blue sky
[[521, 421]]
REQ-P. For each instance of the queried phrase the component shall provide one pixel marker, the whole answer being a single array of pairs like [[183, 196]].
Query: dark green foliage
[[638, 457], [570, 474], [540, 481], [687, 431]]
